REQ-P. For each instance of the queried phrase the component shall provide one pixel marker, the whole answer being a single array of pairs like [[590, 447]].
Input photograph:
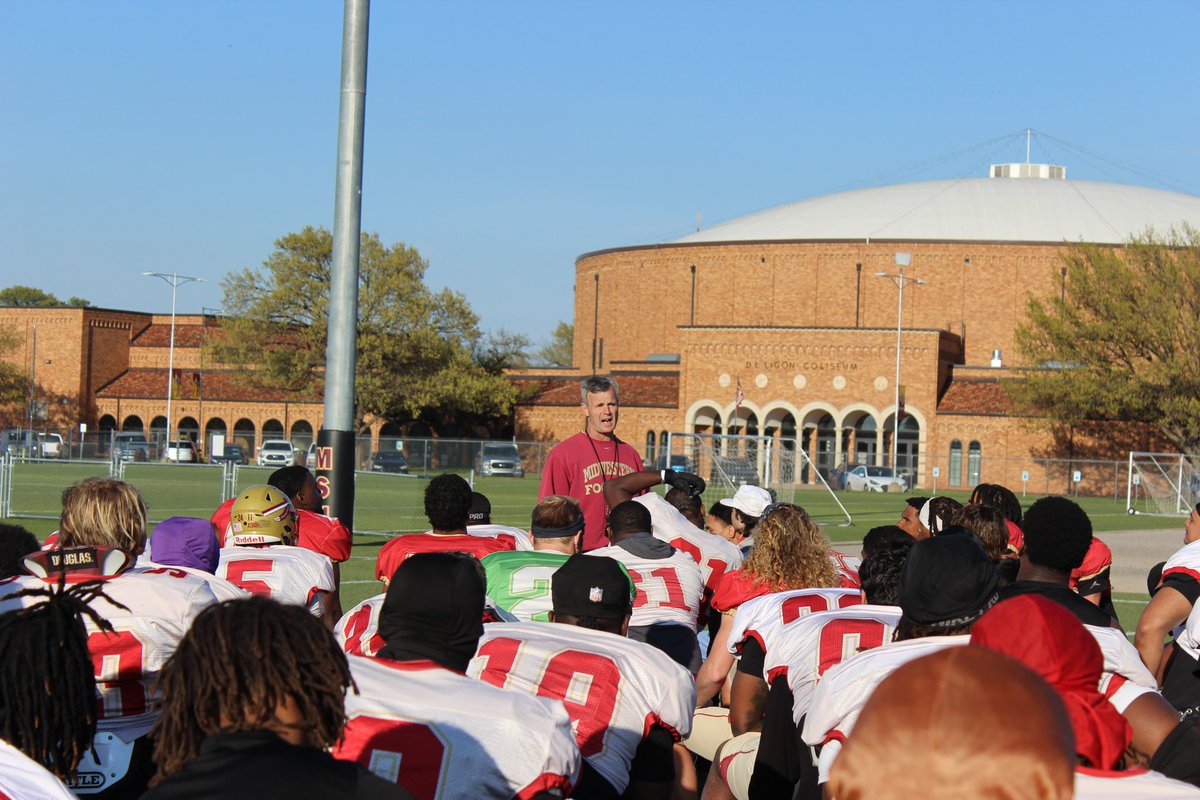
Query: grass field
[[387, 504]]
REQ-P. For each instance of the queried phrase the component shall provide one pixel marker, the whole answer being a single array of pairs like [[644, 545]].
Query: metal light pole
[[898, 278], [175, 280]]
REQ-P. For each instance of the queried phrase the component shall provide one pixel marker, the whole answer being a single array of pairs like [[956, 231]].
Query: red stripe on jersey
[[1191, 573], [546, 782]]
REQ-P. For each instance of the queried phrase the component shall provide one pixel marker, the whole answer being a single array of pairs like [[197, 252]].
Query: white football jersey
[[816, 643], [358, 629], [1094, 784], [1185, 560], [492, 531], [1188, 637], [221, 588], [614, 689], [847, 567], [767, 617], [712, 553], [442, 735], [161, 603], [669, 590], [22, 777], [291, 575], [1125, 678]]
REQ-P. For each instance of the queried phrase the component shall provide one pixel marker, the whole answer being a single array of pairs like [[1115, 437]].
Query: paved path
[[1134, 553]]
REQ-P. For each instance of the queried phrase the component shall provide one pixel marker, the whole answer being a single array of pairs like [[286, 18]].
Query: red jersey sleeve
[[325, 535], [220, 519], [736, 588]]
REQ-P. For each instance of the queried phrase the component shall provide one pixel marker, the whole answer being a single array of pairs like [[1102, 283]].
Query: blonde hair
[[790, 552], [103, 512], [556, 511]]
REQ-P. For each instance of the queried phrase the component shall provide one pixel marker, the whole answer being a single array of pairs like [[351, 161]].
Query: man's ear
[[863, 594], [550, 614], [625, 626]]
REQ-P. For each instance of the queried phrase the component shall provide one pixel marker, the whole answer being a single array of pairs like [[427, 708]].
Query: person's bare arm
[[625, 487], [1168, 609], [715, 669], [747, 703], [1152, 719]]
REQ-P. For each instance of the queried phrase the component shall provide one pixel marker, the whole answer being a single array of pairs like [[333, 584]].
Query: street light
[[175, 280], [902, 260]]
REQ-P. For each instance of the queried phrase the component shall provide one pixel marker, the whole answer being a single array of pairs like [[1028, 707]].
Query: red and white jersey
[[768, 618], [1125, 678], [222, 589], [160, 605], [21, 777], [816, 643], [843, 690], [669, 590], [1184, 562], [714, 554], [1097, 784], [395, 552], [492, 531], [847, 567], [1096, 562], [358, 629], [614, 689], [444, 736], [324, 535], [1188, 637], [291, 575]]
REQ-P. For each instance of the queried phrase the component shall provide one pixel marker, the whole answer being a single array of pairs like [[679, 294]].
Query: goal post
[[778, 464], [1164, 484]]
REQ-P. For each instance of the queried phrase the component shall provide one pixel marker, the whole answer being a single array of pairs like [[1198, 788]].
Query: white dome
[[973, 209]]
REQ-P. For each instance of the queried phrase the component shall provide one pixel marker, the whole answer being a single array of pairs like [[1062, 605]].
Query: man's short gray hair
[[595, 384]]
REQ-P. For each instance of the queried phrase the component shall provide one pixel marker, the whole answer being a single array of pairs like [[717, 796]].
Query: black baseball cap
[[592, 586], [481, 508], [948, 581]]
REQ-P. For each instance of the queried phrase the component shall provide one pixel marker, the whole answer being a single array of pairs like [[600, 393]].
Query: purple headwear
[[184, 542]]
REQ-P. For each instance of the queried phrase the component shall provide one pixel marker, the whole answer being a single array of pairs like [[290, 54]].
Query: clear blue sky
[[504, 139]]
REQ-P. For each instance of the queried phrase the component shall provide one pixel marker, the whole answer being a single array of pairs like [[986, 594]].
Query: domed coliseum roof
[[974, 209]]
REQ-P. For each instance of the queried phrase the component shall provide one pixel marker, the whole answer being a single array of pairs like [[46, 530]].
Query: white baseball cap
[[750, 500]]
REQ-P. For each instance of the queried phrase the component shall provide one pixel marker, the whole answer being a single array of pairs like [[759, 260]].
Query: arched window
[[650, 448], [974, 457], [955, 470]]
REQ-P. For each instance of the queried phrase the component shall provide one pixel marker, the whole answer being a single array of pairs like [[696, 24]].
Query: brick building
[[787, 302], [108, 369]]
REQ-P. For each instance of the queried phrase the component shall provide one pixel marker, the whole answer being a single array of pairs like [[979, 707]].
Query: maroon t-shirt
[[578, 467]]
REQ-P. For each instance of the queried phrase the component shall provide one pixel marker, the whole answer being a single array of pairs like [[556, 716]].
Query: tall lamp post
[[175, 280], [899, 278]]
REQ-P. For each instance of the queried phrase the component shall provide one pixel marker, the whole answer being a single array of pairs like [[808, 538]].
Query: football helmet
[[262, 515]]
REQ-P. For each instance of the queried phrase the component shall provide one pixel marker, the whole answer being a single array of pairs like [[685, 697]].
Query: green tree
[[560, 350], [415, 346], [1123, 343], [503, 350], [29, 296]]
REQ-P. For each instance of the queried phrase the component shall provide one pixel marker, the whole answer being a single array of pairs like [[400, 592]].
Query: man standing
[[580, 465]]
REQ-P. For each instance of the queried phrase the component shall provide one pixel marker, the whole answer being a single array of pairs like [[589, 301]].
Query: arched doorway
[[272, 429], [157, 434], [214, 427], [819, 440], [189, 428], [865, 443], [908, 446], [302, 434], [244, 434], [133, 423]]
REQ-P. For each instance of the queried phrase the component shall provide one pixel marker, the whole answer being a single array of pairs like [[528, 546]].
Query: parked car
[[500, 458], [234, 454], [862, 478], [389, 461], [181, 451], [130, 446], [51, 445], [740, 471], [276, 453], [675, 463]]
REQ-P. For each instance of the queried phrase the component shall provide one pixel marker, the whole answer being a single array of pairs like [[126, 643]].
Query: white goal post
[[778, 464], [1166, 484]]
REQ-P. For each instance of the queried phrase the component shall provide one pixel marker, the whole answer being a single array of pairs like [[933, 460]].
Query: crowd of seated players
[[966, 651]]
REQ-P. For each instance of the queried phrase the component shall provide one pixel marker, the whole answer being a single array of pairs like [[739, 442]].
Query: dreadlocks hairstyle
[[239, 662], [47, 688], [103, 512], [988, 525], [1001, 497], [790, 552]]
